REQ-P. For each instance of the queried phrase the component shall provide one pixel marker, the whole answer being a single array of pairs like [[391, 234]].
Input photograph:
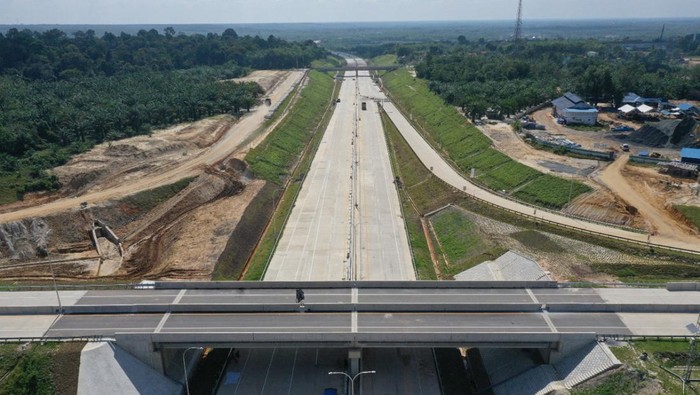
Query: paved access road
[[432, 160], [347, 222]]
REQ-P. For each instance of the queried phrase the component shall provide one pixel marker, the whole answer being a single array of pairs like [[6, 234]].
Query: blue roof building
[[574, 110], [690, 155]]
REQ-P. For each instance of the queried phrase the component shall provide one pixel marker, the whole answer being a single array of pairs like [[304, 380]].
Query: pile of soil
[[667, 133]]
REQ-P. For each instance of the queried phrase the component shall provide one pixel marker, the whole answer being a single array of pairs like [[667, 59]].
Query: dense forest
[[60, 95], [509, 76]]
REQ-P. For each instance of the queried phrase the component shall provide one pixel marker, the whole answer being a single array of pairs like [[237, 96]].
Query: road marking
[[162, 322], [267, 374], [354, 296], [532, 296], [179, 296], [545, 315], [354, 322]]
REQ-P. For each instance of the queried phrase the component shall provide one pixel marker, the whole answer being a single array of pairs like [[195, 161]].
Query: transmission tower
[[517, 36]]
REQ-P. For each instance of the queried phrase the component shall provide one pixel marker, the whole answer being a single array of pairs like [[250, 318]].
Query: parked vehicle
[[622, 128], [625, 147], [364, 106]]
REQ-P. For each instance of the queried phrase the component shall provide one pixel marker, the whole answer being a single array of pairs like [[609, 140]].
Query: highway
[[347, 222], [350, 310]]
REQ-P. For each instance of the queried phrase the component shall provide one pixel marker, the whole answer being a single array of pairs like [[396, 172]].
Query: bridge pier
[[566, 346], [354, 357]]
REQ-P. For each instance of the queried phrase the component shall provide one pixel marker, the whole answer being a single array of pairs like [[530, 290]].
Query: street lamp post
[[184, 367], [55, 287], [352, 378]]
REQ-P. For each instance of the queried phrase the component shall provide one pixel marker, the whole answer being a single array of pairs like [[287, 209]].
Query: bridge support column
[[354, 356], [566, 346], [143, 349]]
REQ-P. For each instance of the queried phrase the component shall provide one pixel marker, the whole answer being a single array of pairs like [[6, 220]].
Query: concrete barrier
[[345, 339], [622, 308], [683, 286], [351, 284]]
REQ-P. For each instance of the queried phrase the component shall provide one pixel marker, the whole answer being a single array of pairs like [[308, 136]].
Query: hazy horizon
[[164, 12]]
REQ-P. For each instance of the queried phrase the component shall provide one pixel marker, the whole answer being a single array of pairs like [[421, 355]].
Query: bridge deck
[[339, 312]]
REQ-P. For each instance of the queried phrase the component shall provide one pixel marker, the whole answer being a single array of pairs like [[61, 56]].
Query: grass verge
[[691, 213], [422, 192], [468, 148], [384, 60], [147, 200], [644, 376], [323, 94], [274, 158], [49, 368], [462, 242]]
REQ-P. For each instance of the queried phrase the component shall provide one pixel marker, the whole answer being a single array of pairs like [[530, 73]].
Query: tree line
[[61, 95], [509, 76], [53, 55]]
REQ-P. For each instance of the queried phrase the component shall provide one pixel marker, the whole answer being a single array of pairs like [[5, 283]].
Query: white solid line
[[162, 322], [179, 296], [354, 322], [532, 296], [549, 322], [354, 296]]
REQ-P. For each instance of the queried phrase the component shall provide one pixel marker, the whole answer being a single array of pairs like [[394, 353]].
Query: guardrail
[[89, 339]]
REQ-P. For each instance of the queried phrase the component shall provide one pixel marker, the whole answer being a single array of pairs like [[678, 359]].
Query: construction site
[[158, 206]]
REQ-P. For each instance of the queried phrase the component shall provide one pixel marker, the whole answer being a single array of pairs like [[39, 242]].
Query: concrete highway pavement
[[420, 299], [432, 160], [315, 243], [347, 222], [382, 250]]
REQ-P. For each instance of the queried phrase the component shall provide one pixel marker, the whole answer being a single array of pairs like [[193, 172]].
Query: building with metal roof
[[690, 155], [574, 110]]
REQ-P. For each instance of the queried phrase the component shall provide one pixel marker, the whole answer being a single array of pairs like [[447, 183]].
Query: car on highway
[[330, 391]]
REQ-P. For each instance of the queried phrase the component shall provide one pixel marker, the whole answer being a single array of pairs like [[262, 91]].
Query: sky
[[270, 11]]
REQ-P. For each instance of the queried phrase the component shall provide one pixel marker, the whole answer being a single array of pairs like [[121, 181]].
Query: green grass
[[692, 213], [422, 192], [659, 272], [384, 60], [147, 200], [550, 191], [462, 242], [323, 93], [537, 240], [468, 148], [274, 158], [587, 128], [328, 61], [28, 372], [619, 383], [640, 374]]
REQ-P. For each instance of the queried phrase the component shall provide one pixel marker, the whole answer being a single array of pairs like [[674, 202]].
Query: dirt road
[[233, 139], [660, 220]]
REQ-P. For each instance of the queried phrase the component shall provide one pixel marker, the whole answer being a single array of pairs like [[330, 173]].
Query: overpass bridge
[[156, 318], [360, 67]]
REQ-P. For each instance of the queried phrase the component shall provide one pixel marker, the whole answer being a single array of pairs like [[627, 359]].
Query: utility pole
[[517, 36]]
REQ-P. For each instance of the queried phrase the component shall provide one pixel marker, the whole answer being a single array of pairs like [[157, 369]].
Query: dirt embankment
[[600, 205], [162, 225]]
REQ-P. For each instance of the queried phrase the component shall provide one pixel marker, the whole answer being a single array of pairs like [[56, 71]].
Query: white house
[[574, 110]]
